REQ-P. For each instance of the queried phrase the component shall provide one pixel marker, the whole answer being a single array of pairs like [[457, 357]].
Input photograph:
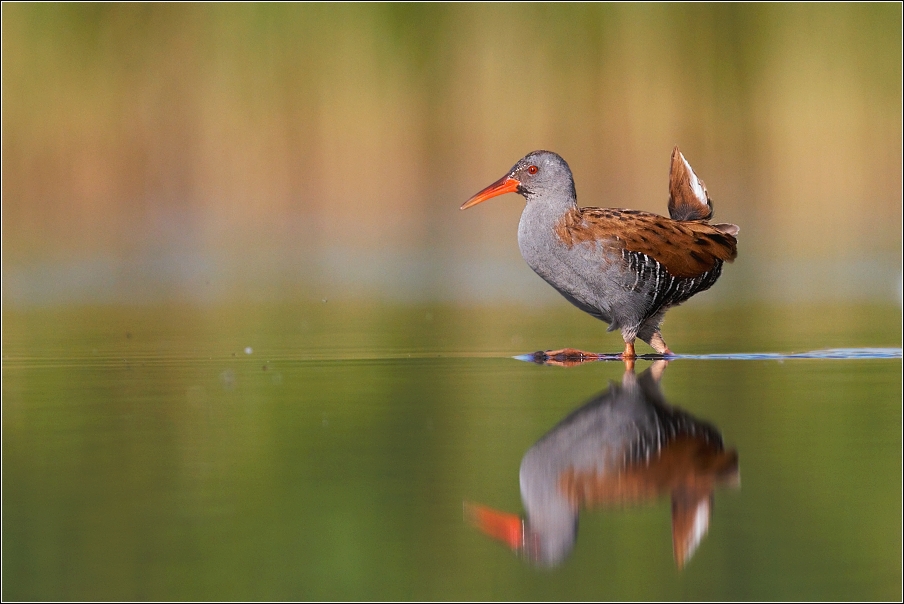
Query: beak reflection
[[625, 446]]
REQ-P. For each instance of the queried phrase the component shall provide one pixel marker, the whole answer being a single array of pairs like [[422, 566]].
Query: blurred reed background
[[271, 152]]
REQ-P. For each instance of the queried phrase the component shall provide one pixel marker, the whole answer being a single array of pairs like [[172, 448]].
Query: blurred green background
[[251, 346], [271, 152]]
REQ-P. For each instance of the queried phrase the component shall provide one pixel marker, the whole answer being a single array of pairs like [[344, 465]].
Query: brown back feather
[[684, 248]]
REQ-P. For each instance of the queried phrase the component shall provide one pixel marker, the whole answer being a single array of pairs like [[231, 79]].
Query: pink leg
[[629, 353], [568, 357], [659, 344]]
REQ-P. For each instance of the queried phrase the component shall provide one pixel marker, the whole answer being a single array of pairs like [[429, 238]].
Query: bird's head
[[540, 174]]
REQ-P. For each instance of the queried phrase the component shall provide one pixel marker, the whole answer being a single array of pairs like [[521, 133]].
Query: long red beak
[[505, 184], [504, 527]]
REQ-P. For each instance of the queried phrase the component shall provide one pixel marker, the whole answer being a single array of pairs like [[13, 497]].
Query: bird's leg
[[629, 354], [629, 368], [657, 369], [659, 344], [649, 333]]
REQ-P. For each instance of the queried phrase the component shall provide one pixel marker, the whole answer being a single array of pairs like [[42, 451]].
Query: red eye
[[532, 169]]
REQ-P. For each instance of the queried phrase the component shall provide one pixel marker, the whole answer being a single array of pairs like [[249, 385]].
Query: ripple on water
[[831, 353]]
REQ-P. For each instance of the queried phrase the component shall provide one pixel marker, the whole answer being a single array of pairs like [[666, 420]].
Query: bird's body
[[625, 267], [625, 446]]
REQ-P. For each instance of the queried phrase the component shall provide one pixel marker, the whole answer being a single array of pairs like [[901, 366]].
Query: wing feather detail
[[685, 248]]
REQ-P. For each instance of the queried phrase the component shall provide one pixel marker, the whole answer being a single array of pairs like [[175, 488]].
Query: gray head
[[548, 542], [538, 175], [544, 541]]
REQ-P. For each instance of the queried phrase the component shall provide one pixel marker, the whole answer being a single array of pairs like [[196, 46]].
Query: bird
[[625, 267], [625, 446]]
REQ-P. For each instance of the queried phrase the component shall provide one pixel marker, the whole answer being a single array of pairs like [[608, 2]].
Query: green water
[[325, 451]]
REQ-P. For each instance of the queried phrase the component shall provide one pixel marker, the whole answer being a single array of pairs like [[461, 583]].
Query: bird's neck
[[550, 206], [536, 230]]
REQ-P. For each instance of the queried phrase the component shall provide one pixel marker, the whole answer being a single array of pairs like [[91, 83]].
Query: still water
[[359, 451]]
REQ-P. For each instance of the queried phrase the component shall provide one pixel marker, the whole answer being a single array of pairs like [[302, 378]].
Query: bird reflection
[[625, 446]]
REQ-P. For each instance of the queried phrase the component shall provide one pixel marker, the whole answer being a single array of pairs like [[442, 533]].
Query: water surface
[[325, 451]]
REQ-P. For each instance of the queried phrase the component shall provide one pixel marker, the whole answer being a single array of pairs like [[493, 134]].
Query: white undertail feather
[[696, 183]]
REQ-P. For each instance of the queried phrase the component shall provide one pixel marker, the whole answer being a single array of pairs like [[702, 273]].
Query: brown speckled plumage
[[685, 249]]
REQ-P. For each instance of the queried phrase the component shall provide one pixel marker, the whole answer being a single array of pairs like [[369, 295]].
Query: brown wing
[[684, 248]]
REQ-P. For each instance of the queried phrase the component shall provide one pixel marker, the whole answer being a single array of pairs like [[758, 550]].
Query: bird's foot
[[567, 357], [662, 351]]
